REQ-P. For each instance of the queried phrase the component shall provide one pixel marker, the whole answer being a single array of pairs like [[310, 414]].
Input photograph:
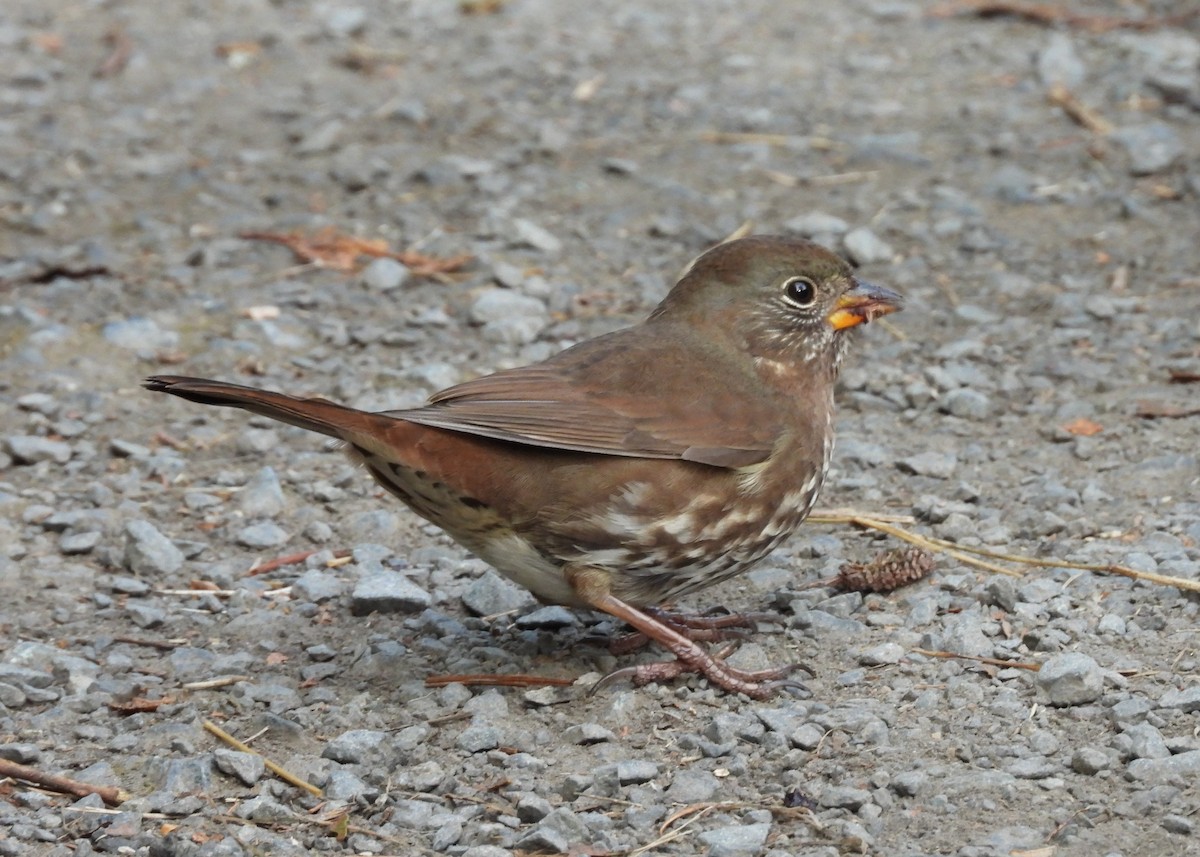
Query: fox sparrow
[[637, 467]]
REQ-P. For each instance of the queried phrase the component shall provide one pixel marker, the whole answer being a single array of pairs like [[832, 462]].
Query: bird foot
[[758, 684], [697, 627]]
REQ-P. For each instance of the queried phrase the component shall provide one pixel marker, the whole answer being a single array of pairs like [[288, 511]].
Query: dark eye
[[800, 291]]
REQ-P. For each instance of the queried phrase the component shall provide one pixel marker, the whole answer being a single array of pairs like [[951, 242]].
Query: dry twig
[[111, 795]]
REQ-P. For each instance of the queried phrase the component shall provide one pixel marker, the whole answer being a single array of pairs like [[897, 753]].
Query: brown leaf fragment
[[138, 705], [1083, 427], [328, 248]]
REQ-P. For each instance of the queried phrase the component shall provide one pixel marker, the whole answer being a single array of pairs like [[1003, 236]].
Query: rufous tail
[[319, 415]]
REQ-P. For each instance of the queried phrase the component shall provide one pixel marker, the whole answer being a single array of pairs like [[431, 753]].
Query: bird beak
[[863, 303]]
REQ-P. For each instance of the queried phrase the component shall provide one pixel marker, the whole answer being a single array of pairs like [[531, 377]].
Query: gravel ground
[[582, 154]]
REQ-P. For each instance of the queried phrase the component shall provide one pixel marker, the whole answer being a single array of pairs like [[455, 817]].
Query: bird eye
[[800, 291]]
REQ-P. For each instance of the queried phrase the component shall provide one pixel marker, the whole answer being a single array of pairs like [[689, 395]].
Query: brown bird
[[637, 467]]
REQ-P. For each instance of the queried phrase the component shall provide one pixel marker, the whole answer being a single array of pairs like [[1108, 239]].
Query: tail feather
[[319, 415]]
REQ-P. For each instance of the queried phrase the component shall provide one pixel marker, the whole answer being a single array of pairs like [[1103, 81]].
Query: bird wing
[[596, 397]]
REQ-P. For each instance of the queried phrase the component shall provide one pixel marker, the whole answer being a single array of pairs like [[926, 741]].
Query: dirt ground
[[1032, 185]]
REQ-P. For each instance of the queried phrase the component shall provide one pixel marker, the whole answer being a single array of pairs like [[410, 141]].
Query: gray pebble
[[1186, 700], [1071, 678], [142, 335], [886, 653], [738, 839], [1181, 768], [356, 747], [588, 733], [636, 771], [966, 403], [1152, 147], [262, 497], [1033, 768], [73, 544], [1058, 63], [23, 753], [550, 618], [247, 767], [346, 785], [478, 738], [532, 808], [864, 247], [692, 785], [492, 595], [264, 810], [1146, 742], [149, 552], [316, 586], [30, 449], [526, 233], [388, 592], [385, 274], [145, 614], [1180, 824], [187, 776], [939, 465], [814, 223], [1089, 761], [374, 526], [263, 535], [555, 833]]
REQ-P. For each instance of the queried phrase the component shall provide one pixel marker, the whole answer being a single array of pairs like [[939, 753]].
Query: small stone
[[526, 233], [264, 810], [1180, 824], [816, 223], [1187, 700], [554, 834], [908, 783], [692, 785], [588, 733], [1152, 147], [864, 247], [887, 653], [29, 449], [262, 497], [636, 771], [477, 738], [966, 403], [939, 465], [964, 635], [1058, 64], [1146, 742], [549, 618], [149, 552], [141, 335], [23, 753], [738, 839], [261, 536], [247, 767], [356, 746], [1033, 768], [1183, 768], [145, 615], [492, 595], [509, 317], [187, 776], [1089, 761], [1071, 678], [532, 808], [388, 592], [384, 274], [73, 544], [317, 586]]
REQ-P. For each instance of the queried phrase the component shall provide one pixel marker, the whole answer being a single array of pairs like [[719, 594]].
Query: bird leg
[[699, 628], [593, 586]]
